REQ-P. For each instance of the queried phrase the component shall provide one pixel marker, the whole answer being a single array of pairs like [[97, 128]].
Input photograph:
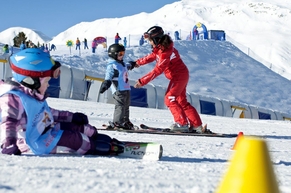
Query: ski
[[135, 150], [142, 150], [148, 128], [166, 131]]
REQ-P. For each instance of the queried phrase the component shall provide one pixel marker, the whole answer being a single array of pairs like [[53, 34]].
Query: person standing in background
[[53, 47], [22, 45], [141, 41], [125, 42], [117, 38], [94, 45], [85, 44], [78, 44], [5, 49]]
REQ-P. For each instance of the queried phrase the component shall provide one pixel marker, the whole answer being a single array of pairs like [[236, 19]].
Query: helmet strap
[[32, 83]]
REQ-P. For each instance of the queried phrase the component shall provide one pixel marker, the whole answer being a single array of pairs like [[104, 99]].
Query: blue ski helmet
[[31, 64]]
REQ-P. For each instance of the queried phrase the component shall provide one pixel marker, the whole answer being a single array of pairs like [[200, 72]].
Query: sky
[[53, 17], [189, 164]]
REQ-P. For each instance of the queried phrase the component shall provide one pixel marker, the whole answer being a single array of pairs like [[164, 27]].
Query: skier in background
[[41, 129], [117, 38], [169, 62], [5, 49], [85, 44], [22, 45], [125, 42], [177, 35], [46, 49], [78, 44], [141, 41], [94, 45], [53, 47]]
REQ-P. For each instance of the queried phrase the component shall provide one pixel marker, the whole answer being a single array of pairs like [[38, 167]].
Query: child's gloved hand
[[133, 65], [11, 150], [105, 85], [80, 119]]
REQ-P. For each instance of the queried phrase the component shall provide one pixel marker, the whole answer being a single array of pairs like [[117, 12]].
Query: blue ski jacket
[[117, 72]]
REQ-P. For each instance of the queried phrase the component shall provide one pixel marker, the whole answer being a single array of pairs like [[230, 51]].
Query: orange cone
[[250, 169], [239, 136]]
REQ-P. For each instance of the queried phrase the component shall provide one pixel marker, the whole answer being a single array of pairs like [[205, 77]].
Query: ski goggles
[[146, 35], [121, 53], [54, 72]]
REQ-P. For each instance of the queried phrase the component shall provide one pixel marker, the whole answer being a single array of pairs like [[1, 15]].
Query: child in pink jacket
[[29, 124]]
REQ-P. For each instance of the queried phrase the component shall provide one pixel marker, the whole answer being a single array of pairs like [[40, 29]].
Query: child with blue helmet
[[42, 129]]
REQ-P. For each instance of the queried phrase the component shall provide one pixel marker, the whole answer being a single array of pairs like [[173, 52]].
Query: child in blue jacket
[[116, 78]]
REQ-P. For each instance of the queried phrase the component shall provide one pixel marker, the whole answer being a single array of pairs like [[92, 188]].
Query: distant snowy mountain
[[258, 28], [6, 36]]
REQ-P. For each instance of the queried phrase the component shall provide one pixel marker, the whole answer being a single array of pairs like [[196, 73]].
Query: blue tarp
[[138, 97], [207, 108], [264, 116], [54, 88], [216, 35]]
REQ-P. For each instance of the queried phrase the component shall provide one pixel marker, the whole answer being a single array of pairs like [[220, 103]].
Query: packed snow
[[189, 164]]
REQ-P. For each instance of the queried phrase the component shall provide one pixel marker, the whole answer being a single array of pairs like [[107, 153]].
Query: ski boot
[[105, 145], [117, 147], [200, 130], [127, 125]]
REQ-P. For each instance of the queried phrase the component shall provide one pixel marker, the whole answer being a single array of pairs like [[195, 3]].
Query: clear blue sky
[[55, 16]]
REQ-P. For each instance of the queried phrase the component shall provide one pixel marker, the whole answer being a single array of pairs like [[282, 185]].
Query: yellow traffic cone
[[250, 170], [239, 137]]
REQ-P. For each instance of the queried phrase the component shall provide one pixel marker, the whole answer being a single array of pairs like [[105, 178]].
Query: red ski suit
[[170, 63]]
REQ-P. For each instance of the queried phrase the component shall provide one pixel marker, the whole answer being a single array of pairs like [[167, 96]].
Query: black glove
[[11, 150], [105, 85], [132, 65], [80, 119]]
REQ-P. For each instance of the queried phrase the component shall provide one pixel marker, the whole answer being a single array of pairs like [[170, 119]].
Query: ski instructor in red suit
[[169, 62]]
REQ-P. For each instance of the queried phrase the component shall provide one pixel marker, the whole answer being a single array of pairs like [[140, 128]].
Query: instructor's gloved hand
[[138, 84], [11, 150], [80, 119]]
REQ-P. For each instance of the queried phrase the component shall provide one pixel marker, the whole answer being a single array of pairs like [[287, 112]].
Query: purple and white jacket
[[14, 121]]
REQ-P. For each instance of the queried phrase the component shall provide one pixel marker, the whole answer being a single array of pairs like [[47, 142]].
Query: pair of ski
[[167, 131], [152, 150]]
